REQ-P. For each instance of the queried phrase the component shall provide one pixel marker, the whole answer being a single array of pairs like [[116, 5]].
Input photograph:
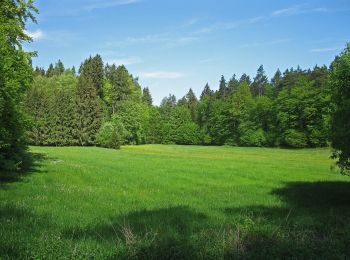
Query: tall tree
[[232, 84], [223, 91], [259, 83], [15, 76], [146, 96], [122, 86], [88, 109], [277, 80], [50, 71], [245, 78], [207, 92], [59, 68], [340, 123]]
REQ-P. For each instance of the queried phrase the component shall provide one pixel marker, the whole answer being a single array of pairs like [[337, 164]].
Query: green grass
[[176, 202]]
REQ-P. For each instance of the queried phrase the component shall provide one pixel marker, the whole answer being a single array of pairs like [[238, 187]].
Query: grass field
[[176, 202]]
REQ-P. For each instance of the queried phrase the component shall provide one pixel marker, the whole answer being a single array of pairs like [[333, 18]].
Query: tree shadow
[[17, 223], [31, 164], [312, 222], [317, 195], [148, 234]]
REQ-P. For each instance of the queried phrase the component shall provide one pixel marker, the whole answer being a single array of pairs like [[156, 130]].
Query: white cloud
[[166, 39], [298, 9], [229, 25], [106, 4], [325, 49], [35, 35], [266, 43], [162, 75], [125, 61]]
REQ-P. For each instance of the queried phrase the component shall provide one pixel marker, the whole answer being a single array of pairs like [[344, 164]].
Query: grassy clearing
[[176, 202]]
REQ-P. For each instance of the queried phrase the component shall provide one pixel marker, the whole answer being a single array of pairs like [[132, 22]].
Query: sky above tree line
[[176, 45]]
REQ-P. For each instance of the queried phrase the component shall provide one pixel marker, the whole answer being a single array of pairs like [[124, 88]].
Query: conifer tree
[[146, 96], [88, 110], [50, 71], [259, 83], [223, 91]]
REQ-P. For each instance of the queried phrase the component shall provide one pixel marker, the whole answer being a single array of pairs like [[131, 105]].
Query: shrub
[[111, 135], [294, 138], [252, 137]]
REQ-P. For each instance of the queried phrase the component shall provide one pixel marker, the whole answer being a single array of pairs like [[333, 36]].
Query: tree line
[[105, 105]]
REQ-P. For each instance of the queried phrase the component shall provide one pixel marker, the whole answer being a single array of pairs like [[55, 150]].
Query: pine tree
[[146, 96], [223, 91], [59, 68], [259, 83], [232, 84], [122, 86], [207, 92], [88, 111], [276, 81], [50, 71], [245, 78]]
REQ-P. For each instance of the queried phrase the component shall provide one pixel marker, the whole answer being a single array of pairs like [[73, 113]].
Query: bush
[[110, 135], [252, 137], [295, 139]]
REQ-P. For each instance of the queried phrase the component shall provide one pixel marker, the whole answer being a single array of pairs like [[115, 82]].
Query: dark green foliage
[[121, 86], [292, 110], [146, 96], [302, 109], [294, 138], [223, 90], [179, 128], [87, 111], [93, 69], [277, 80], [15, 76], [340, 116], [50, 105]]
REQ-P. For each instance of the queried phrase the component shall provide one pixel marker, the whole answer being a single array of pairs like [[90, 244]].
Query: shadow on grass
[[31, 164], [148, 234], [314, 222]]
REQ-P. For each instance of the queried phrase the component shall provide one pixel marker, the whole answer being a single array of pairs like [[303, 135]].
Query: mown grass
[[176, 202]]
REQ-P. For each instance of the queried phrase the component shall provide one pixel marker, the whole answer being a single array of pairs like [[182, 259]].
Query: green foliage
[[111, 134], [134, 117], [340, 115], [248, 136], [179, 127], [294, 138], [303, 109], [15, 77]]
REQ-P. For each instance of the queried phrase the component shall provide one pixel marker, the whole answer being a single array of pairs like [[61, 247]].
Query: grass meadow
[[176, 202]]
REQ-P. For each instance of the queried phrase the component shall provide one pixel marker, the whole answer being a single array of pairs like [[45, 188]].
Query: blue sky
[[176, 45]]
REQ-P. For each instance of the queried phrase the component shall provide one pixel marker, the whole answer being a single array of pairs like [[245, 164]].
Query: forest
[[106, 106]]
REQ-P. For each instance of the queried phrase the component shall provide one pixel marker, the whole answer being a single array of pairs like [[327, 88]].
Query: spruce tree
[[50, 71], [223, 91], [259, 83], [146, 96], [88, 110]]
